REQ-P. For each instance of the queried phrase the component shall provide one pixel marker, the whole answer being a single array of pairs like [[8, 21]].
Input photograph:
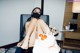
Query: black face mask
[[36, 15]]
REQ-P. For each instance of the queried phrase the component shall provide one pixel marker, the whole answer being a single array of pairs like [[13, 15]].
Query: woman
[[30, 28], [33, 28]]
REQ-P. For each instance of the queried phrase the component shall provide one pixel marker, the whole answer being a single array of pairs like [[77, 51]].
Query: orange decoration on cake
[[43, 37]]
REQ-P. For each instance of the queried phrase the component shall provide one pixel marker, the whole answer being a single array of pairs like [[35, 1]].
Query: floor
[[13, 49]]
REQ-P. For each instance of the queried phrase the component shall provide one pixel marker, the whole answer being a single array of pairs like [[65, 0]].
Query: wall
[[78, 20], [68, 13], [55, 9], [10, 11]]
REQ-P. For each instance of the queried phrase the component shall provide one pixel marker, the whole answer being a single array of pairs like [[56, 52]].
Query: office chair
[[23, 19]]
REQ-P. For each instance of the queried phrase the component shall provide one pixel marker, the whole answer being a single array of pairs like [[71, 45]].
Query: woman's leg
[[28, 33], [44, 26], [26, 27], [39, 30], [32, 38]]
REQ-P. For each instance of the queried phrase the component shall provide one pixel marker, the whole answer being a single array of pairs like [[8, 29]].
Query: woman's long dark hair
[[34, 9], [32, 13]]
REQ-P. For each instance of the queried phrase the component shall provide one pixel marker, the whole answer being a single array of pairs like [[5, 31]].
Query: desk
[[71, 40], [72, 35]]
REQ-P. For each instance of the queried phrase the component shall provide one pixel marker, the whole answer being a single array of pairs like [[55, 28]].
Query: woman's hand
[[19, 44]]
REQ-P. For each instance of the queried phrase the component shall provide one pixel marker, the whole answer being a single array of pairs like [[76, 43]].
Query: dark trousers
[[20, 50]]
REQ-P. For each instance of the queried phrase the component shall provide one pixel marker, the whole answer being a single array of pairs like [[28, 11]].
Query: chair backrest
[[23, 19]]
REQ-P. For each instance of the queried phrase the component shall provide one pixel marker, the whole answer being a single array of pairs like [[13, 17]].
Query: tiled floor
[[13, 49], [70, 51]]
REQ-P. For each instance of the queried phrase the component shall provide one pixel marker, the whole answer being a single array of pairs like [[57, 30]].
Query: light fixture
[[76, 6]]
